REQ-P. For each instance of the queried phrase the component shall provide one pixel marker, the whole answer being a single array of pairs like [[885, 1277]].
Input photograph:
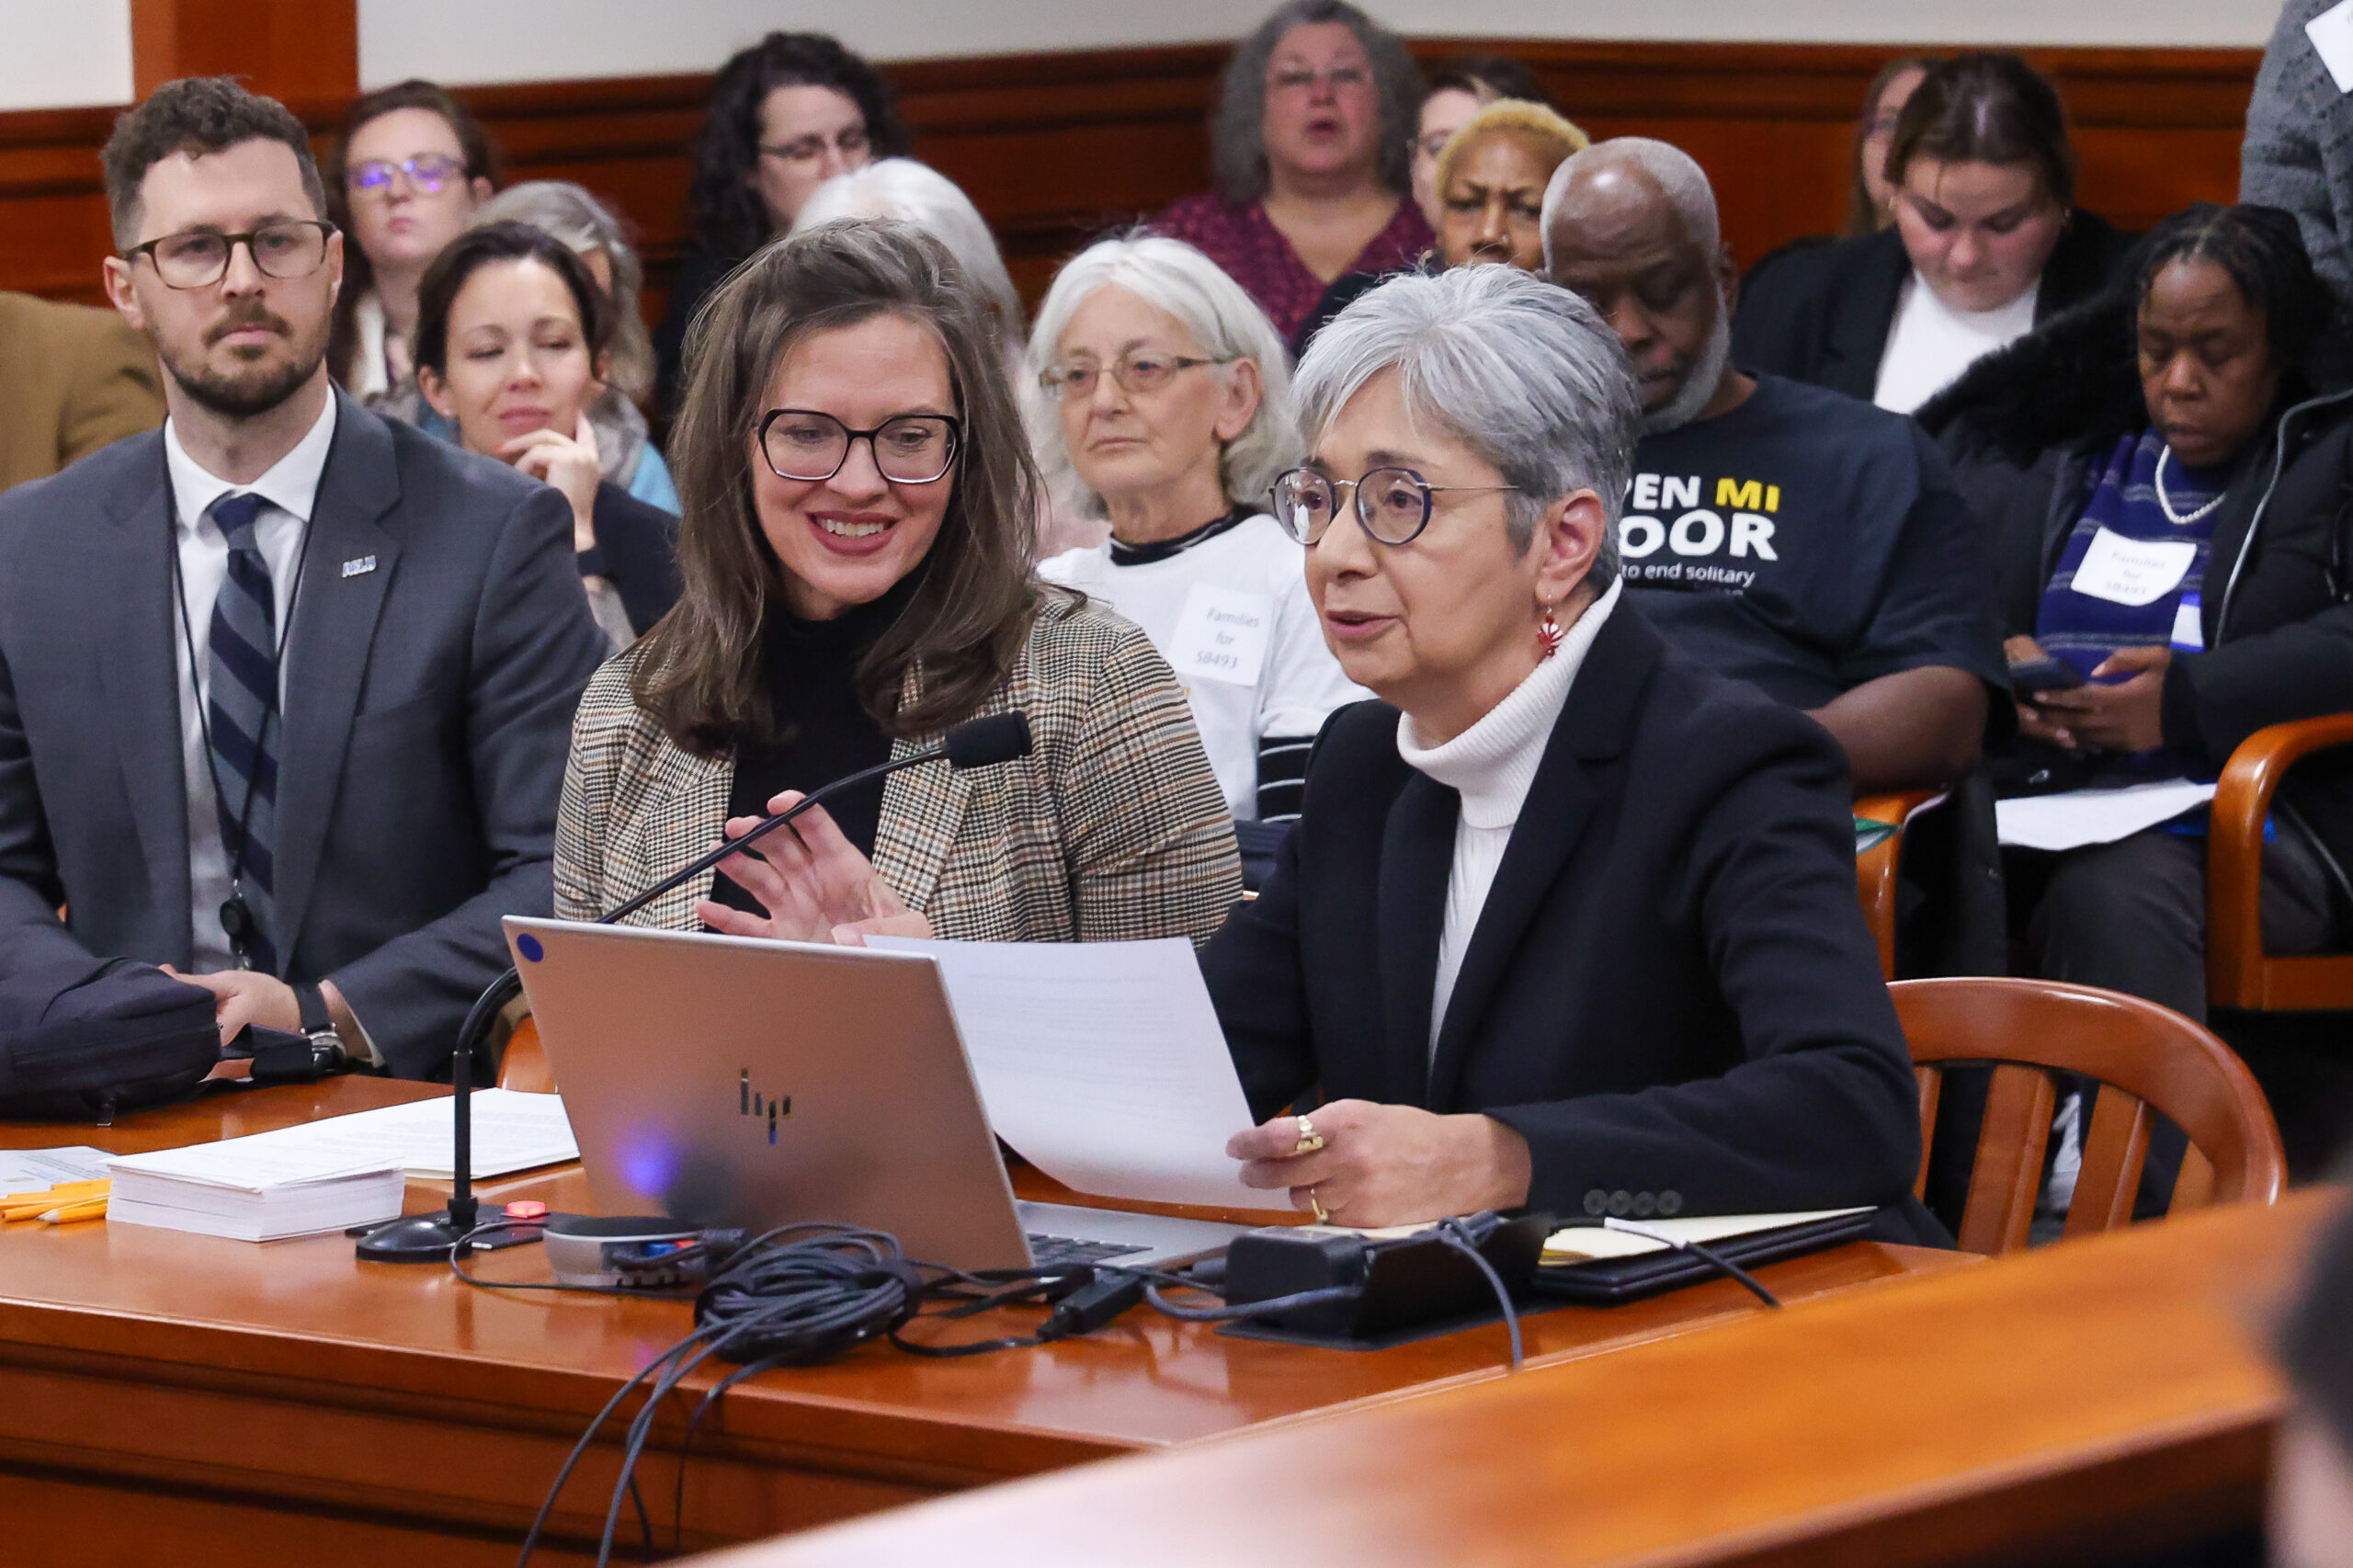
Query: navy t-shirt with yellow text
[[1807, 542]]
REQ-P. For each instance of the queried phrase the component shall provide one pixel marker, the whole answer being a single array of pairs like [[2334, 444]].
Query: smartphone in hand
[[2028, 677]]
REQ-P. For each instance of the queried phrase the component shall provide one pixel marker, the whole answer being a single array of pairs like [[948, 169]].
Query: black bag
[[82, 1037]]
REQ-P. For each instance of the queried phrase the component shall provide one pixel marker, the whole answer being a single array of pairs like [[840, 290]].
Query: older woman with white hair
[[919, 194], [1166, 408], [1567, 921]]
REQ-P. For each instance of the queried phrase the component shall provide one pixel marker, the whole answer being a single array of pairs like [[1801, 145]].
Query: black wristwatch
[[326, 1043]]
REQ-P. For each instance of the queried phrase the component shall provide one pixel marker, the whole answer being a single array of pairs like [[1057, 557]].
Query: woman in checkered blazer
[[855, 549]]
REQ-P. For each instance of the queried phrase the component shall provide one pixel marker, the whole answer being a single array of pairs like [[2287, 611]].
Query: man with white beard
[[1791, 536]]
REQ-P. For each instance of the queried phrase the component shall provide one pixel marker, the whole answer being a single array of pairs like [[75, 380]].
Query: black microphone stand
[[436, 1238]]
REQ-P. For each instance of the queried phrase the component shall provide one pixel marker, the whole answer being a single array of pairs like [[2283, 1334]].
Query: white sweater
[[1491, 766]]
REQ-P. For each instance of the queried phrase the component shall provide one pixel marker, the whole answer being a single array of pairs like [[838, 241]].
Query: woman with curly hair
[[787, 115], [1313, 142]]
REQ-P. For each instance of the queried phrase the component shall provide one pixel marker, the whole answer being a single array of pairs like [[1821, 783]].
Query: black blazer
[[1822, 313], [439, 643], [1671, 992], [637, 551]]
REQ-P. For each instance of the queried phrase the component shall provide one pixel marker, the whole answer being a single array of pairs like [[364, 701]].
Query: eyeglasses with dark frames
[[428, 171], [1393, 504], [197, 258], [1138, 375], [909, 448]]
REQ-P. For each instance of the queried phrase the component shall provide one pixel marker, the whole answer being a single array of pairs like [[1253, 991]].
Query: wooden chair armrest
[[1875, 867], [2235, 850]]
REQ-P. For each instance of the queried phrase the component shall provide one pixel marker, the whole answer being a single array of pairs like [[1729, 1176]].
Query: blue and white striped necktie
[[240, 718]]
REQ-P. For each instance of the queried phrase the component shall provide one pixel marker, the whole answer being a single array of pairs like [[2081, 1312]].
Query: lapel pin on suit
[[359, 565]]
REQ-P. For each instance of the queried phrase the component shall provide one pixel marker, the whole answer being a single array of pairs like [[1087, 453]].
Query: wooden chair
[[524, 1066], [2238, 972], [1875, 867], [2148, 1059]]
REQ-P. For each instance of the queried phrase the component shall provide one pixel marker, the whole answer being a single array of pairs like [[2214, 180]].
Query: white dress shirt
[[291, 487], [1491, 764], [1930, 343]]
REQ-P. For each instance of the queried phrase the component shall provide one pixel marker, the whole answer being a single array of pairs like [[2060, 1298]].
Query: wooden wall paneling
[[1058, 148], [300, 50]]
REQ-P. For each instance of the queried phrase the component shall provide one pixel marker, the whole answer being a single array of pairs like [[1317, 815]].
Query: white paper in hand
[[1101, 1063]]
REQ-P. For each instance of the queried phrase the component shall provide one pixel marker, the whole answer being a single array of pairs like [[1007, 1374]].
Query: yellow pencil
[[93, 1208]]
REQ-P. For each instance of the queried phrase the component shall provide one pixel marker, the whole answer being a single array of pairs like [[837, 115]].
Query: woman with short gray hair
[[1311, 136], [1567, 921], [1161, 399]]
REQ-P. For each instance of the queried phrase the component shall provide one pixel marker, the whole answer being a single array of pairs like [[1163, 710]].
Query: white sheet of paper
[[38, 1170], [1221, 634], [2332, 36], [2133, 571], [1102, 1064], [1585, 1243], [2076, 817], [512, 1132]]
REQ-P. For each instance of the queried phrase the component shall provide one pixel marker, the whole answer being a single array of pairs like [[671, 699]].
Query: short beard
[[1699, 387], [235, 396]]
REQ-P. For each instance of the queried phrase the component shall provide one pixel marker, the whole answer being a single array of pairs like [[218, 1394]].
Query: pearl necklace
[[2164, 502]]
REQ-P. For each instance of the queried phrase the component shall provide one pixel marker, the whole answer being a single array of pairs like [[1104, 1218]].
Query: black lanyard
[[237, 921]]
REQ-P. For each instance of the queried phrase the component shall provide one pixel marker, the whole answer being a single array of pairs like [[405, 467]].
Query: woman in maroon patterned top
[[1313, 140]]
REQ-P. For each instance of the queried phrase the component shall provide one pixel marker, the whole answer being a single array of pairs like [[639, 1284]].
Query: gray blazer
[[428, 706], [2298, 151]]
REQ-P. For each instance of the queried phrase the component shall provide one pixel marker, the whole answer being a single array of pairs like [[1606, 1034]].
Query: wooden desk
[[2068, 1406], [216, 1402]]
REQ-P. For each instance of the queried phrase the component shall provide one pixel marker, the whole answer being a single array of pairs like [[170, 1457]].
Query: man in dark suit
[[285, 690]]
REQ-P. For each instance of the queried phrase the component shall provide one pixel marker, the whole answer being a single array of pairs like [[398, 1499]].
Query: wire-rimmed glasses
[[1393, 504], [428, 172], [1138, 375], [197, 258], [909, 448]]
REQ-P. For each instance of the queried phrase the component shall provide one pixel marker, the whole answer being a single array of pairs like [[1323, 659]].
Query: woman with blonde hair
[[855, 563], [1491, 181]]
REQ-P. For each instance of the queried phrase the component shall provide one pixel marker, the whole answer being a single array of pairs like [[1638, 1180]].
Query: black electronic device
[[1383, 1290], [2029, 677], [433, 1238]]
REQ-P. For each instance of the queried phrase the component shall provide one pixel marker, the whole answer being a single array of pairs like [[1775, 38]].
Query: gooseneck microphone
[[429, 1238], [976, 743]]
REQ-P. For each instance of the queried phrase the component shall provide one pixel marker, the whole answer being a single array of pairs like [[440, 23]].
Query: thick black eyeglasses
[[197, 258], [1393, 504], [909, 448]]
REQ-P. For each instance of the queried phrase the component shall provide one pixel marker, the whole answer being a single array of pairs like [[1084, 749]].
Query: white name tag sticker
[[2332, 36], [1221, 634], [2133, 570]]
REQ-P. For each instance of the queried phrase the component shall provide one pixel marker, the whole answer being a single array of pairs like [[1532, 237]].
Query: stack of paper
[[326, 1176], [252, 1189]]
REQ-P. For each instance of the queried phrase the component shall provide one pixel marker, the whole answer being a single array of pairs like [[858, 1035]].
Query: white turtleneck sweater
[[1491, 766]]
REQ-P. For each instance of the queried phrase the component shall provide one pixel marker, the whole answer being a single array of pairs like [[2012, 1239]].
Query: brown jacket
[[72, 379], [1111, 829]]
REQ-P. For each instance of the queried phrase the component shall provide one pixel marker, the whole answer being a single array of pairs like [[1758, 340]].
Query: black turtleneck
[[820, 730]]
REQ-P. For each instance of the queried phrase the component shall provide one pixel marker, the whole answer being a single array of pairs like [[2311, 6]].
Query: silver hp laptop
[[734, 1081]]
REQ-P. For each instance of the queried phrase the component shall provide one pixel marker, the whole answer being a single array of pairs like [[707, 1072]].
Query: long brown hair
[[701, 674], [1987, 108]]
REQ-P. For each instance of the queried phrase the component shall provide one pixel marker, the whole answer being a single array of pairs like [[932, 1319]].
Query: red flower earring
[[1549, 635]]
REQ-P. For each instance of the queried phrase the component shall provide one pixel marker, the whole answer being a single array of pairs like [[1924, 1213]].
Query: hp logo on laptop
[[751, 1103]]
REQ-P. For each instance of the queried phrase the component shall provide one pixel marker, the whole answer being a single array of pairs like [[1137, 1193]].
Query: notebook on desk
[[1601, 1267]]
